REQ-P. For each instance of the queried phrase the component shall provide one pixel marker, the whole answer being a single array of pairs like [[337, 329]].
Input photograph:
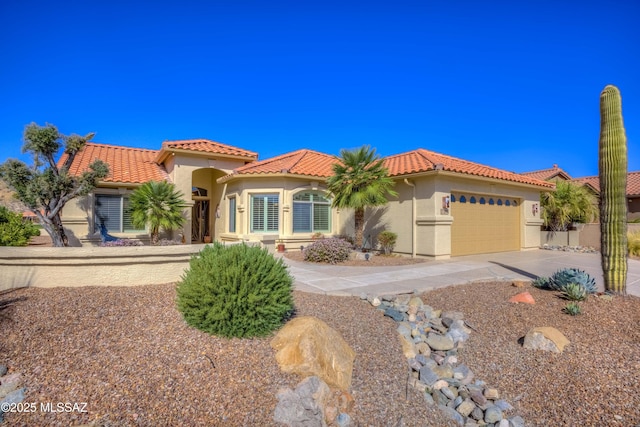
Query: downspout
[[413, 218]]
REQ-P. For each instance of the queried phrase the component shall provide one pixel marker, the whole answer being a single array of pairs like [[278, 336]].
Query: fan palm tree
[[569, 203], [157, 204], [360, 180]]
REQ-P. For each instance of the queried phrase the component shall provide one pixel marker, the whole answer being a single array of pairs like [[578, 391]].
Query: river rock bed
[[431, 340]]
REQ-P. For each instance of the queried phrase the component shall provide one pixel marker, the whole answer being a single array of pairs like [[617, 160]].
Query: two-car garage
[[484, 224]]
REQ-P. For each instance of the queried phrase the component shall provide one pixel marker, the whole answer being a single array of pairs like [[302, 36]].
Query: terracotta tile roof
[[126, 165], [422, 160], [633, 183], [204, 146], [300, 162], [547, 174]]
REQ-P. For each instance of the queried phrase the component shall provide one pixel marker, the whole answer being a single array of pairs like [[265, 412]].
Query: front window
[[232, 214], [264, 213], [113, 211], [311, 213]]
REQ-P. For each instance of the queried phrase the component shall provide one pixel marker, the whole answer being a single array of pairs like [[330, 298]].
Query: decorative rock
[[301, 407], [429, 399], [545, 338], [516, 421], [16, 396], [465, 408], [443, 371], [457, 335], [343, 420], [452, 414], [9, 383], [492, 414], [414, 364], [402, 299], [519, 283], [491, 393], [439, 398], [427, 376], [404, 329], [477, 396], [422, 358], [440, 384], [394, 314], [503, 423], [408, 347], [376, 302], [477, 414], [439, 342], [3, 370], [307, 346], [449, 316], [416, 302], [448, 393], [524, 297]]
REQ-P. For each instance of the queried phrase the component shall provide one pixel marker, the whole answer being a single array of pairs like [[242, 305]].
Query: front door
[[200, 221]]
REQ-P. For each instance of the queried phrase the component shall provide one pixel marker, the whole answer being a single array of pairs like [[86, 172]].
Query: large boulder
[[545, 338], [307, 346]]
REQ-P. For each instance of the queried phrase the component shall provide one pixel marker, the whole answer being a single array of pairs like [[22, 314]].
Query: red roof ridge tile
[[169, 143]]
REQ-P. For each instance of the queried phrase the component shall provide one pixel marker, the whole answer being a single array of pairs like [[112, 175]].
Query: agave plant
[[573, 308], [575, 292], [542, 283], [562, 278]]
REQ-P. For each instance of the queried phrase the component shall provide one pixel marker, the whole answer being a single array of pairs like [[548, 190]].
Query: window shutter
[[320, 217], [272, 213], [108, 211], [301, 217]]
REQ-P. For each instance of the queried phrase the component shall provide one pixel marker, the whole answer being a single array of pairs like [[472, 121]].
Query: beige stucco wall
[[433, 223], [285, 187], [93, 266]]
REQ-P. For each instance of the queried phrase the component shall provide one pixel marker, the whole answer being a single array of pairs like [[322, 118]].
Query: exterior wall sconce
[[366, 256], [301, 248], [534, 209]]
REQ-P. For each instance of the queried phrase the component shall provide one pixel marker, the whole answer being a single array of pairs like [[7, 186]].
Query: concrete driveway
[[336, 280]]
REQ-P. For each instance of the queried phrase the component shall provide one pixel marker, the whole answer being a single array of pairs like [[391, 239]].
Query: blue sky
[[510, 84]]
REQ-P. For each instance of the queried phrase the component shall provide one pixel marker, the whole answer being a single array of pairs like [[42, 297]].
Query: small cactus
[[613, 185]]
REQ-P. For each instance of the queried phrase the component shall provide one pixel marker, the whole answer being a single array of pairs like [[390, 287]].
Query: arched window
[[463, 199], [311, 213], [499, 202], [507, 202], [515, 203], [491, 202], [472, 199], [453, 198], [482, 201]]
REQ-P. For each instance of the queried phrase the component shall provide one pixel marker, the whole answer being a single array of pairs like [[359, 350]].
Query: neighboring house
[[593, 183], [445, 206]]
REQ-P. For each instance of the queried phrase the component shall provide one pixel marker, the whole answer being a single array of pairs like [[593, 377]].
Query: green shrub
[[561, 278], [331, 251], [235, 291], [573, 308], [633, 243], [575, 292], [387, 240], [14, 230]]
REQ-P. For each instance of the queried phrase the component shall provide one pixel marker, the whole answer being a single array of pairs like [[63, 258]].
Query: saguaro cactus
[[613, 186]]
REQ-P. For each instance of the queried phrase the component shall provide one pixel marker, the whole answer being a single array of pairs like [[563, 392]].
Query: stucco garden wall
[[93, 266], [590, 234]]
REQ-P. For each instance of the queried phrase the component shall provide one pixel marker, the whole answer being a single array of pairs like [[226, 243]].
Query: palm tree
[[569, 203], [360, 180], [157, 204]]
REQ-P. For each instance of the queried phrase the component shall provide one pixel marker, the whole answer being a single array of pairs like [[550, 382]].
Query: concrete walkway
[[336, 280]]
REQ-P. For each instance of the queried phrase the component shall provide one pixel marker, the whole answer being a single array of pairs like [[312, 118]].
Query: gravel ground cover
[[127, 352]]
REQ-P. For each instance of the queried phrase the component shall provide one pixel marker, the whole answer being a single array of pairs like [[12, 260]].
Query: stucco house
[[445, 206], [593, 183]]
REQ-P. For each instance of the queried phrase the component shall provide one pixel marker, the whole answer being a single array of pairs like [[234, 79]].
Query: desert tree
[[46, 186]]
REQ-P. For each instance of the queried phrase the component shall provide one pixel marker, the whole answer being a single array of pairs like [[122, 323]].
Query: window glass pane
[[301, 217], [482, 201], [491, 202], [321, 217], [108, 211], [320, 198], [303, 197], [453, 198], [232, 215], [499, 202], [472, 199], [463, 199], [507, 202]]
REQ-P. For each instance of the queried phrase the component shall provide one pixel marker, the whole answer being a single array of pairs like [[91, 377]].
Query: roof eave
[[475, 177], [165, 152]]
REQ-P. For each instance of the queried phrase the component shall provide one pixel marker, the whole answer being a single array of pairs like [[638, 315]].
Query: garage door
[[484, 224]]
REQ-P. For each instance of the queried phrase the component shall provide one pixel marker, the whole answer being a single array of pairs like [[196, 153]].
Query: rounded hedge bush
[[235, 291], [332, 251]]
